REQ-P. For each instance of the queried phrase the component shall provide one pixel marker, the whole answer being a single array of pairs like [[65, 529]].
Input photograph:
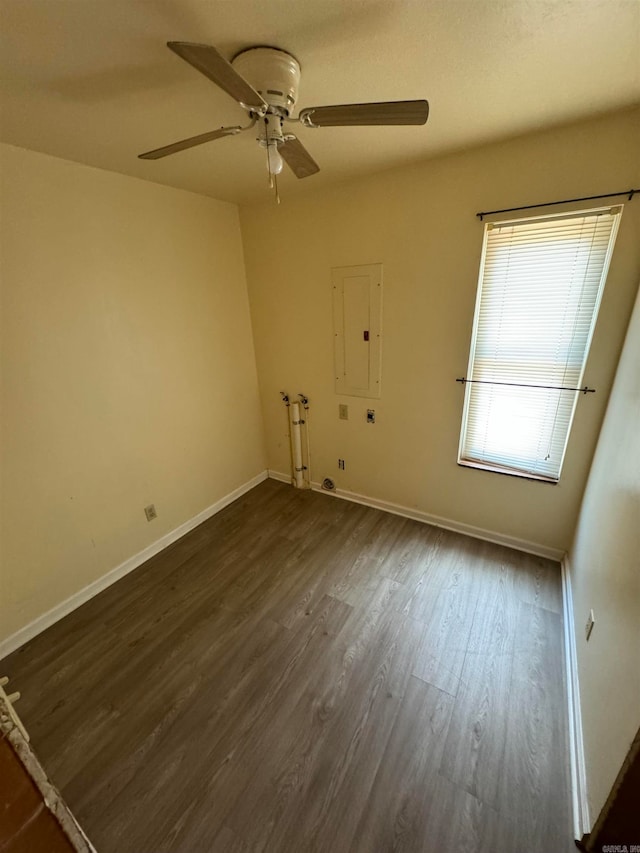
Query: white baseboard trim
[[22, 636], [579, 800], [436, 520]]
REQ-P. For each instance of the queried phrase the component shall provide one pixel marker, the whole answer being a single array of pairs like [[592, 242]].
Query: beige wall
[[420, 223], [605, 575], [128, 371]]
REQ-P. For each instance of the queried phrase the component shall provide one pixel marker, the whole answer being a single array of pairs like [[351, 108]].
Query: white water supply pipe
[[296, 447], [286, 401], [304, 401]]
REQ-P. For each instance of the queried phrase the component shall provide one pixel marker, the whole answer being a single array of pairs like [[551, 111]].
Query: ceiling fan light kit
[[265, 82]]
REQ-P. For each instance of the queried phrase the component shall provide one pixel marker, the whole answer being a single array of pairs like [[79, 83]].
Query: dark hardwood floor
[[300, 673]]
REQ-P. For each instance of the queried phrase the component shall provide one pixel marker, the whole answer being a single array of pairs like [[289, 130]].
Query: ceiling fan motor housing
[[273, 73]]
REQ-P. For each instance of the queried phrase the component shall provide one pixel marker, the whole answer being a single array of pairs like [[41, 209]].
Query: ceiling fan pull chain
[[269, 172]]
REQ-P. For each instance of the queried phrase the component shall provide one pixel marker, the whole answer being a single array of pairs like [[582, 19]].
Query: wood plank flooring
[[300, 673]]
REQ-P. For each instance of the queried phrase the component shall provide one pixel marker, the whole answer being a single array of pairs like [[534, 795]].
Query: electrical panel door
[[357, 310]]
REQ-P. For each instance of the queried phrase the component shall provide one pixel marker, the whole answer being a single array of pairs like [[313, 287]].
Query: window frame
[[462, 461]]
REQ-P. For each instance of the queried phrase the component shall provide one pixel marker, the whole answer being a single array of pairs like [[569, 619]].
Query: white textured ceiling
[[92, 80]]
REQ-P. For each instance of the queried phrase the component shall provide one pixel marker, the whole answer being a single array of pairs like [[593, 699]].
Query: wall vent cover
[[328, 484]]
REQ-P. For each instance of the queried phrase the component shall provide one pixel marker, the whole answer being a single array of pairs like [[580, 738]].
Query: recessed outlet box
[[150, 512], [343, 412], [588, 628], [371, 416]]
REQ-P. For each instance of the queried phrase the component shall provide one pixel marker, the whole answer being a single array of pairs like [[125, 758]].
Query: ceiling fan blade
[[189, 143], [213, 65], [386, 112], [298, 158]]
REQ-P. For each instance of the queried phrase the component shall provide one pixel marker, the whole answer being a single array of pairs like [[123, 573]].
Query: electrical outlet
[[343, 411], [371, 416], [588, 628], [341, 464], [150, 512]]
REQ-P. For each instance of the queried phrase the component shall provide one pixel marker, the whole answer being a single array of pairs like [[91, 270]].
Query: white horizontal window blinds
[[541, 281]]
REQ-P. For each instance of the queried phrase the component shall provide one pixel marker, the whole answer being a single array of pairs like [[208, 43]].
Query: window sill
[[509, 472]]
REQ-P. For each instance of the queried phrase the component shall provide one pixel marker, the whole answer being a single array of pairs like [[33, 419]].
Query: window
[[540, 286]]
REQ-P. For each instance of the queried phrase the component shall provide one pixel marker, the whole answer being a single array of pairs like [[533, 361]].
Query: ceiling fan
[[265, 81]]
